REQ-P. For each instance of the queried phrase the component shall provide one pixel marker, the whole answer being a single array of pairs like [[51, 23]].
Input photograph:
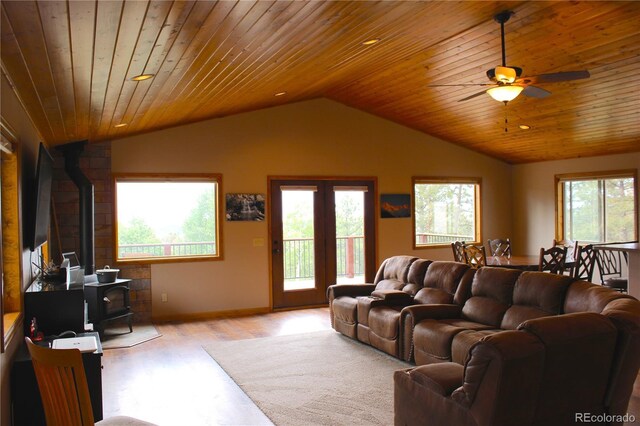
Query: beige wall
[[313, 138], [28, 139], [534, 196]]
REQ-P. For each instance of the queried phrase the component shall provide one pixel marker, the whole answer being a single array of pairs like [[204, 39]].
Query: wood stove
[[107, 302]]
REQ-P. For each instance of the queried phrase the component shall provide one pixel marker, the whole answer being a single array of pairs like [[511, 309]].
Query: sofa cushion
[[441, 282], [491, 295], [344, 309], [433, 339], [583, 296], [463, 341], [393, 272], [384, 321], [536, 295], [415, 276]]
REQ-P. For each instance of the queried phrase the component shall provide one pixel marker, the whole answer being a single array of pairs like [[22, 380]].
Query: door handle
[[275, 249]]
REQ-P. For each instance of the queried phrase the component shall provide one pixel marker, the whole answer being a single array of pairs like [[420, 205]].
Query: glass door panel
[[350, 255], [298, 238]]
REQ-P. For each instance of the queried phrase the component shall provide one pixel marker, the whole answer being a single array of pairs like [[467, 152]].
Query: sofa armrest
[[442, 378], [393, 297], [353, 290], [412, 315]]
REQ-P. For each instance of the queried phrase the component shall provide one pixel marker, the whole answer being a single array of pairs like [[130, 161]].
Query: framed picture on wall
[[245, 207], [395, 206]]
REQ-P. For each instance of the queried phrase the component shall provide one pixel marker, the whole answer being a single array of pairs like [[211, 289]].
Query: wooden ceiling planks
[[71, 63]]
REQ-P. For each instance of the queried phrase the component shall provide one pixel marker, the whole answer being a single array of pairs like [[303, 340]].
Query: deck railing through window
[[166, 249], [299, 259], [424, 238]]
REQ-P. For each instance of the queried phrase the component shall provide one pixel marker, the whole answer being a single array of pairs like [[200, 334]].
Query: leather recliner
[[546, 372]]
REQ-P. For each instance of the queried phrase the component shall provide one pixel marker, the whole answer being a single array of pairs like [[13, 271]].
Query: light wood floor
[[173, 381]]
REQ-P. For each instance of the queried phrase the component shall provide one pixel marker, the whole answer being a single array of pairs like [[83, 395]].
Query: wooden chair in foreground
[[458, 251], [64, 390], [500, 247], [553, 259], [585, 263], [475, 256], [572, 253]]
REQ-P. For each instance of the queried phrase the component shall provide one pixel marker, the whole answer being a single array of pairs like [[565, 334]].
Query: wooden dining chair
[[585, 263], [475, 256], [458, 251], [500, 247], [610, 267], [553, 259], [64, 390]]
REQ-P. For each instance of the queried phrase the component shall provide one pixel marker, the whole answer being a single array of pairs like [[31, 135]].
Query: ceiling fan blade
[[460, 85], [475, 95], [555, 77], [535, 92]]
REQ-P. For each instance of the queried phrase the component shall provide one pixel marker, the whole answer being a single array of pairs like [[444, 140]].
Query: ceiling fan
[[507, 82]]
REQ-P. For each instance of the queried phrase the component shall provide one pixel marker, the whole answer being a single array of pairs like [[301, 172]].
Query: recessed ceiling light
[[120, 125], [370, 42], [142, 77], [280, 94], [524, 126]]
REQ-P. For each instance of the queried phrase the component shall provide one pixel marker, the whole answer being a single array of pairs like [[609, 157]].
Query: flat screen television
[[41, 205]]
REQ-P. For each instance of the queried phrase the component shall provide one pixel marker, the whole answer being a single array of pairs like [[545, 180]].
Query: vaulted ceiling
[[72, 63]]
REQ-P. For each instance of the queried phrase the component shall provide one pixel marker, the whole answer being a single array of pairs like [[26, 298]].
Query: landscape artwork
[[395, 206], [245, 207]]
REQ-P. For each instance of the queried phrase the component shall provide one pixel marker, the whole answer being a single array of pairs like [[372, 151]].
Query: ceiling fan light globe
[[504, 93], [505, 74]]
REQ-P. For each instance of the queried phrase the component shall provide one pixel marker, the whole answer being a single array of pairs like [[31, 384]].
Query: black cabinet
[[26, 402]]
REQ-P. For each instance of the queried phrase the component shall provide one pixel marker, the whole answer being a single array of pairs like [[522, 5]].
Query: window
[[446, 210], [597, 207], [168, 217], [10, 249]]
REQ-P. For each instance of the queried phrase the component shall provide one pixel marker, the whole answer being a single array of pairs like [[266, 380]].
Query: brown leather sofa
[[524, 348], [371, 312]]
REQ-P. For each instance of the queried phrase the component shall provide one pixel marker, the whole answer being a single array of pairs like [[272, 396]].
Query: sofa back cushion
[[393, 273], [441, 282], [583, 296], [535, 295], [579, 353], [415, 276], [491, 295]]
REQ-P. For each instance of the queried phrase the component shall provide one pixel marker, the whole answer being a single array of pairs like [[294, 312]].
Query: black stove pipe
[[71, 154]]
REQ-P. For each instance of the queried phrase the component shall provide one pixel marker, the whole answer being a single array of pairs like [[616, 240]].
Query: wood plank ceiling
[[71, 63]]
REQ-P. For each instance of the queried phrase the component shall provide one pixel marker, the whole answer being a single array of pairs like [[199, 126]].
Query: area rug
[[119, 337], [319, 378]]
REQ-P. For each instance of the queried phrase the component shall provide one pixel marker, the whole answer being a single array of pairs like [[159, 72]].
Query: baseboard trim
[[210, 315]]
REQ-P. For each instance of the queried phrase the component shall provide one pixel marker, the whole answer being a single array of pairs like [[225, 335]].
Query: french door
[[322, 233]]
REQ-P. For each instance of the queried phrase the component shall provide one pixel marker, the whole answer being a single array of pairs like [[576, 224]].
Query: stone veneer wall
[[95, 163]]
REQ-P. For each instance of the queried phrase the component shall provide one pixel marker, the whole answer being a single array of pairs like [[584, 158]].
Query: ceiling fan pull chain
[[506, 121]]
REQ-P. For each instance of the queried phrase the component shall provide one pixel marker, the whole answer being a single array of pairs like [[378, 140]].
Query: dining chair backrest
[[610, 267], [63, 385], [500, 247], [585, 263], [458, 251], [552, 259], [475, 256], [572, 248]]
